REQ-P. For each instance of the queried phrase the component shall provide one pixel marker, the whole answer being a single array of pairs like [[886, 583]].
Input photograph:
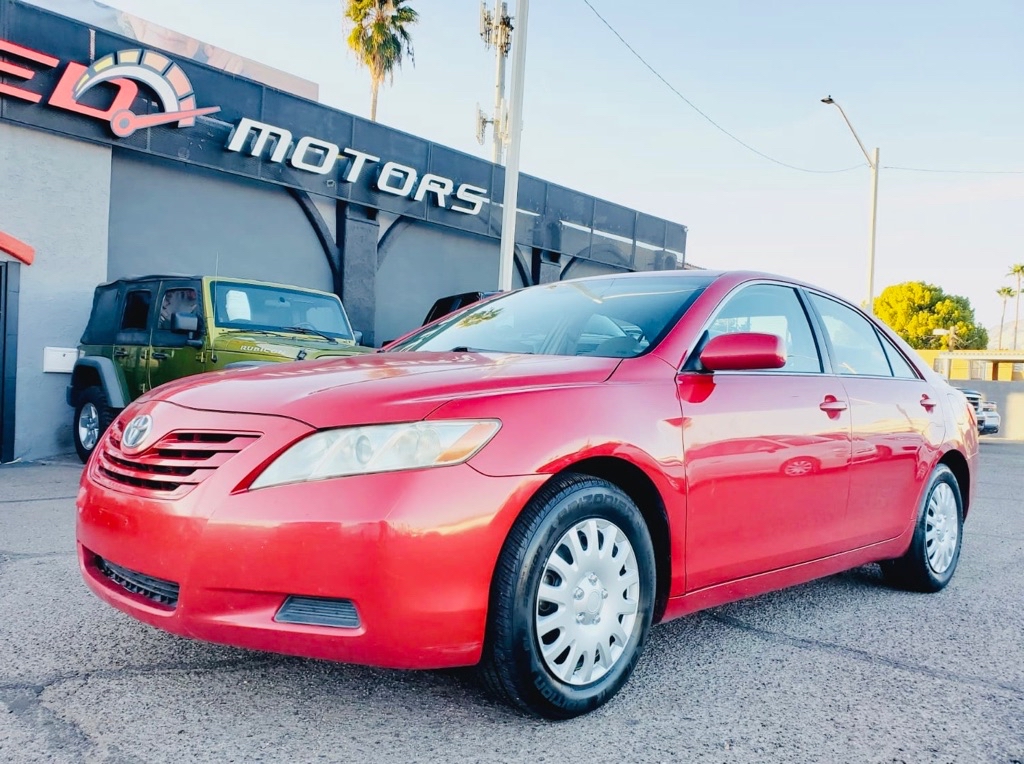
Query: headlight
[[379, 448]]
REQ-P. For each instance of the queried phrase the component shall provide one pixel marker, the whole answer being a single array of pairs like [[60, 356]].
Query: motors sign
[[275, 144], [126, 70]]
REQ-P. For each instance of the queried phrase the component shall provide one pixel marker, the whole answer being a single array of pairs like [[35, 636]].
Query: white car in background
[[986, 412]]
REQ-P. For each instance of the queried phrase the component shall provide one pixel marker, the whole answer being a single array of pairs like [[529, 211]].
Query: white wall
[[55, 196]]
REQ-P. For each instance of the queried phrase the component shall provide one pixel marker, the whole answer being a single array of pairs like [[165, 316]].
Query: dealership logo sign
[[125, 70]]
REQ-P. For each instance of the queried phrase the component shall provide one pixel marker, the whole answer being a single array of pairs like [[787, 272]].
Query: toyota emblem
[[137, 431]]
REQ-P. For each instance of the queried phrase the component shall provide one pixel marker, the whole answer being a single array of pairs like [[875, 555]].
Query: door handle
[[120, 354], [832, 405], [928, 403], [158, 356]]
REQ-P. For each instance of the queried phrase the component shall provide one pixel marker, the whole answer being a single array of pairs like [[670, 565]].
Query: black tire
[[914, 571], [91, 396], [513, 667]]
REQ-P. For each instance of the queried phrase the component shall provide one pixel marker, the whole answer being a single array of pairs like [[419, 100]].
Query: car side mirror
[[744, 351], [358, 336], [184, 323]]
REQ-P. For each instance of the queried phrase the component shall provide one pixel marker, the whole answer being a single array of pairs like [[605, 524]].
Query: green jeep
[[144, 332]]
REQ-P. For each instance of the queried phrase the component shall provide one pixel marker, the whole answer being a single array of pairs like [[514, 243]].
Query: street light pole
[[873, 164], [515, 130]]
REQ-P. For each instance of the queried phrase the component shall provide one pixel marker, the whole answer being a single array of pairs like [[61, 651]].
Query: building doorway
[[8, 349]]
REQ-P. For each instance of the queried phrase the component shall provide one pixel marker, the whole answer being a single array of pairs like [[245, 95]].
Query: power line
[[747, 146], [960, 172], [693, 106]]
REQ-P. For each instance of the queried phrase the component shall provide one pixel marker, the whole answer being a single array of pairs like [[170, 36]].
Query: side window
[[772, 309], [900, 367], [177, 300], [854, 340], [136, 310]]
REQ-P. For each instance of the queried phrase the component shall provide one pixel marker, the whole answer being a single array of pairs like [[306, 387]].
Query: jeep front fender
[[110, 379]]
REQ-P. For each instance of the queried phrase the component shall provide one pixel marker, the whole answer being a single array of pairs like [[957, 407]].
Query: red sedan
[[528, 484]]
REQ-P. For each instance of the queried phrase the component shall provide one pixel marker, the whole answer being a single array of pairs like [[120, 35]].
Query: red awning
[[16, 249]]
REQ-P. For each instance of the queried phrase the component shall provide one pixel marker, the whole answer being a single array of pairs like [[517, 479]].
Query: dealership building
[[123, 153]]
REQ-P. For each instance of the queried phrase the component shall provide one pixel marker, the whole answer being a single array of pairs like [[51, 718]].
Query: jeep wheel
[[93, 416]]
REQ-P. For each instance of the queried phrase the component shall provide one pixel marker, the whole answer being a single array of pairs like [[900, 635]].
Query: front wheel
[[929, 563], [572, 599], [93, 416]]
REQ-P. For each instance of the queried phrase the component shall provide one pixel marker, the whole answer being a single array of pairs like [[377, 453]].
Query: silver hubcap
[[942, 530], [587, 602], [89, 427], [798, 468]]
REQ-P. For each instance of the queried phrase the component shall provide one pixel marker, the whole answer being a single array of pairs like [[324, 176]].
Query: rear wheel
[[93, 416], [572, 600], [929, 563]]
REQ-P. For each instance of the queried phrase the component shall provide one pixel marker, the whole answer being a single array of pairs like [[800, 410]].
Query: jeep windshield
[[261, 308], [609, 317]]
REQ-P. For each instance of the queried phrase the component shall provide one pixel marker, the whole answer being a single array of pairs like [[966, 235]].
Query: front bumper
[[413, 551]]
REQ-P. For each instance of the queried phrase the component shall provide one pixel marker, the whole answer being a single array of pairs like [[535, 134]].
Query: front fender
[[111, 380]]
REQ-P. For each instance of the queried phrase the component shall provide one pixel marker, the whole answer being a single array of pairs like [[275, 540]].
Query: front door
[[131, 343], [898, 425], [767, 453], [171, 357]]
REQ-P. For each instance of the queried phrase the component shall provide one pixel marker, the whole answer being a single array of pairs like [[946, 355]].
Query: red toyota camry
[[530, 483]]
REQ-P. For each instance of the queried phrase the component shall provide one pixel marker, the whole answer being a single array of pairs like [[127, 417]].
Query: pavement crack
[[61, 735], [29, 501], [228, 664], [865, 656]]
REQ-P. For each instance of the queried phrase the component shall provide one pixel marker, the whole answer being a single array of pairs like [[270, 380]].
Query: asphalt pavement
[[839, 670]]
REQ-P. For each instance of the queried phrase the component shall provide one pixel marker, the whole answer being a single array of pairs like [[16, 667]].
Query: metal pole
[[501, 11], [874, 221], [515, 124]]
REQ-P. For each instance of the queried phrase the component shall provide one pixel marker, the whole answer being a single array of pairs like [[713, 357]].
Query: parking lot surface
[[843, 669]]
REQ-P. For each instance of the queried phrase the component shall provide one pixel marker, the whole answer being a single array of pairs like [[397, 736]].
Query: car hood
[[276, 346], [382, 387]]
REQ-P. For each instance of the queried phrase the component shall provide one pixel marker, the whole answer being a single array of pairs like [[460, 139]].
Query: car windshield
[[608, 317], [258, 307]]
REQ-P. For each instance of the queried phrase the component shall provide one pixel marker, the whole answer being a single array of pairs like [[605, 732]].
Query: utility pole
[[496, 32], [515, 130]]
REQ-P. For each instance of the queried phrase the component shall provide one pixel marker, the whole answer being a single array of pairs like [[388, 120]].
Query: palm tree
[[380, 39], [1018, 271], [1006, 293]]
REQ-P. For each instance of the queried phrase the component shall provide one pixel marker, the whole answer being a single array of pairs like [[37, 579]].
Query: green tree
[[1018, 271], [380, 39], [1005, 293], [915, 309]]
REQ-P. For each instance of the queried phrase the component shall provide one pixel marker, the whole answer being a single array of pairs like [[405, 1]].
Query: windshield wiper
[[307, 330]]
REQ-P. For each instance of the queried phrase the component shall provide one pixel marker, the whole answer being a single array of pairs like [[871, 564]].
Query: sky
[[934, 84]]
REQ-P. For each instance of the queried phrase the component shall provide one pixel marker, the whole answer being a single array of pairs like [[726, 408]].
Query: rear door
[[767, 453], [171, 357], [898, 425], [131, 343]]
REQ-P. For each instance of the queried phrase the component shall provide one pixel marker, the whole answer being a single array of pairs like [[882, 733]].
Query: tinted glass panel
[[772, 309], [136, 310], [609, 317], [900, 367], [854, 340]]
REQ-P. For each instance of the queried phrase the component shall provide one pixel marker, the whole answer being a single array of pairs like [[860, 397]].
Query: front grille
[[174, 465], [319, 611], [156, 589], [974, 400]]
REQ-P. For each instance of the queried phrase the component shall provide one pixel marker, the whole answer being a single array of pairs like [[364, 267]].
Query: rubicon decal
[[123, 70]]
